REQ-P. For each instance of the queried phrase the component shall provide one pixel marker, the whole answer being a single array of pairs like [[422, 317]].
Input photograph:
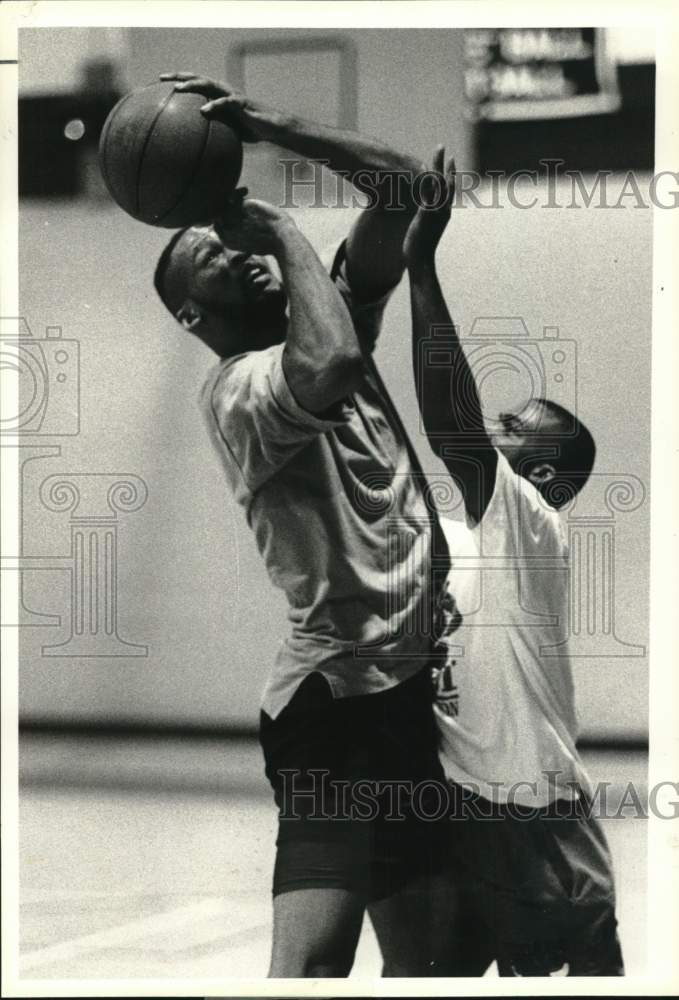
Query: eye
[[207, 256], [512, 423]]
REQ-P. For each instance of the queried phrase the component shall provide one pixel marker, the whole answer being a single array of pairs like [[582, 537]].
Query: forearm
[[345, 151], [448, 397], [435, 384], [322, 356], [383, 176]]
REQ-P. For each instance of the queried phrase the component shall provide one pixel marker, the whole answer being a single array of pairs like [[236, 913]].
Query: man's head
[[232, 301], [548, 446]]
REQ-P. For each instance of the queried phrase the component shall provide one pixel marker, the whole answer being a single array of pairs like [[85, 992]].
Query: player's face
[[222, 278]]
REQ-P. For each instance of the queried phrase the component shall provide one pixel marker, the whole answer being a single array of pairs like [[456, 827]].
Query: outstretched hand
[[436, 194], [224, 104]]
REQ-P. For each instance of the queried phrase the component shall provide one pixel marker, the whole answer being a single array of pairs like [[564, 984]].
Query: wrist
[[285, 237], [273, 125]]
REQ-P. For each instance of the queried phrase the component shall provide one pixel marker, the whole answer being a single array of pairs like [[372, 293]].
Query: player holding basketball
[[307, 435], [539, 871]]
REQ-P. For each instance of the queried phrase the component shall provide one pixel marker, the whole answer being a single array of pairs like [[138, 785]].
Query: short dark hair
[[577, 452], [170, 295]]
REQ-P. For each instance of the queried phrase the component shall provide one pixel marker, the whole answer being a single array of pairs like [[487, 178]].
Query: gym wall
[[194, 602]]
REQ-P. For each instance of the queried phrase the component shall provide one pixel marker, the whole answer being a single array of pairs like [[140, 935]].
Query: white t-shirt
[[504, 699]]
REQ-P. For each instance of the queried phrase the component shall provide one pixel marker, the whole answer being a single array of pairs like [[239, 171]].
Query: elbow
[[320, 381], [341, 372], [324, 358], [391, 184], [349, 358]]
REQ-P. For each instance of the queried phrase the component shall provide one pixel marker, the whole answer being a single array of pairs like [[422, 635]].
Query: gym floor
[[151, 857]]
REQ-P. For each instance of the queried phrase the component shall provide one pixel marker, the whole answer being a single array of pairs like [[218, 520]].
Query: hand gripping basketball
[[224, 104], [164, 162]]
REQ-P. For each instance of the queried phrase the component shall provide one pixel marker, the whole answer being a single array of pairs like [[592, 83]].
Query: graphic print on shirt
[[446, 692]]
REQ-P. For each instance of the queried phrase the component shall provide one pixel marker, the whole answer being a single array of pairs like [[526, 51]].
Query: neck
[[249, 327], [248, 338]]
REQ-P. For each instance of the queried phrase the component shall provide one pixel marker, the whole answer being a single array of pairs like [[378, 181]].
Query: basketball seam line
[[106, 131], [142, 151], [191, 179]]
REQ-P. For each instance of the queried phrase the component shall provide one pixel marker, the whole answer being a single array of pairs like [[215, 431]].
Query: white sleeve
[[518, 520]]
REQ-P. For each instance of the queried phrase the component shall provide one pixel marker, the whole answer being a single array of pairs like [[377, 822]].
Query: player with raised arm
[[537, 865], [310, 442]]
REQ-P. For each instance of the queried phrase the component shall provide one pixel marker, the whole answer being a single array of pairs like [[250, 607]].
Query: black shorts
[[358, 784], [539, 884]]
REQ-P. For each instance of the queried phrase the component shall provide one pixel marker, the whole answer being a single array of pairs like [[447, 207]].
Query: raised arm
[[322, 359], [446, 389], [374, 245]]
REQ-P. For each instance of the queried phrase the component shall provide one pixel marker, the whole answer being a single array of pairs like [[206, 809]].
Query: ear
[[541, 473], [190, 315]]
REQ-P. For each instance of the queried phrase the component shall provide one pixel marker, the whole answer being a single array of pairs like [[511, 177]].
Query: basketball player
[[539, 870], [306, 432]]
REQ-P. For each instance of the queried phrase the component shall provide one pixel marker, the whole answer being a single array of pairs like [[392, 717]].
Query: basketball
[[163, 162]]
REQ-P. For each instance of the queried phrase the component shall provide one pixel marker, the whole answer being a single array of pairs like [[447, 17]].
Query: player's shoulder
[[218, 376], [234, 370], [536, 520], [231, 379], [518, 489]]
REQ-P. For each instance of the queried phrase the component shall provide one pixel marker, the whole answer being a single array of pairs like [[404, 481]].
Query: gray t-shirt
[[337, 514]]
